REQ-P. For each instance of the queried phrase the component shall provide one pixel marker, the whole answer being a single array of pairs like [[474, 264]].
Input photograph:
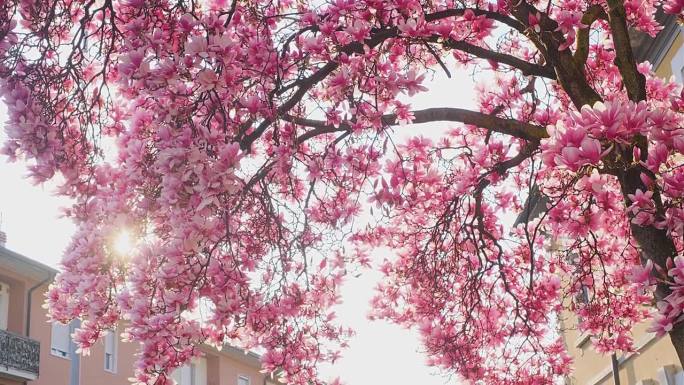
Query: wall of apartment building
[[223, 368], [54, 370], [19, 287], [592, 368], [93, 365], [22, 275], [586, 361], [4, 381], [15, 315], [17, 299], [652, 357], [229, 370]]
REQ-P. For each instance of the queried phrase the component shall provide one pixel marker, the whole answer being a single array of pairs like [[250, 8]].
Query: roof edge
[[5, 252]]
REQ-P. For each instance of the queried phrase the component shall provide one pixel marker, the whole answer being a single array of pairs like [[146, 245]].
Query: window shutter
[[110, 351], [193, 373], [4, 305], [60, 339]]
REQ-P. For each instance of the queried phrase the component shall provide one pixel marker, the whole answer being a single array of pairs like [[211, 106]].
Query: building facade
[[655, 361], [35, 352]]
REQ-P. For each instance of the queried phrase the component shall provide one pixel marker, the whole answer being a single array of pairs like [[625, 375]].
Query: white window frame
[[58, 351], [679, 378], [4, 304], [192, 373], [677, 63], [181, 374], [243, 377], [111, 348]]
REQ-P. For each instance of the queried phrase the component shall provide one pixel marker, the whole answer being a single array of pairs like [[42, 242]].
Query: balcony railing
[[19, 356]]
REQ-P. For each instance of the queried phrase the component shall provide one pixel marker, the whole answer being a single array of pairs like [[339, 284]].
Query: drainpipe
[[75, 368], [616, 369], [29, 296], [29, 301]]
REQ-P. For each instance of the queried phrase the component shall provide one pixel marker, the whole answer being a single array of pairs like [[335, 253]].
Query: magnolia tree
[[244, 144]]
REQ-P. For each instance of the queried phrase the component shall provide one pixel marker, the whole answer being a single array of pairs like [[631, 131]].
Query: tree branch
[[502, 167], [525, 67], [520, 27], [595, 12], [376, 38], [311, 81], [512, 127], [549, 40], [634, 81]]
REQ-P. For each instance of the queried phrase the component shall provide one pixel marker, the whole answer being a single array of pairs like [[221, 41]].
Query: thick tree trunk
[[655, 246]]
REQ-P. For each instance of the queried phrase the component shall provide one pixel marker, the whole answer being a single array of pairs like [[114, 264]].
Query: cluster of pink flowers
[[675, 7], [671, 308], [242, 144], [577, 140]]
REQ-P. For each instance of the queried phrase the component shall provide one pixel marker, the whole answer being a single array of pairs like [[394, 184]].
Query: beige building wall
[[21, 276], [17, 299], [229, 370], [93, 365], [15, 317], [653, 358], [53, 370]]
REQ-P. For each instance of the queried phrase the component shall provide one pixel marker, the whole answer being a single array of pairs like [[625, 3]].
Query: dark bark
[[655, 245], [595, 12], [527, 68], [515, 128], [634, 82], [570, 75]]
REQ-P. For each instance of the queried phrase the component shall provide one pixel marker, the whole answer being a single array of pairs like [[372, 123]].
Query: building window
[[194, 373], [182, 375], [583, 298], [4, 305], [243, 380], [60, 340], [110, 342], [677, 65], [583, 295]]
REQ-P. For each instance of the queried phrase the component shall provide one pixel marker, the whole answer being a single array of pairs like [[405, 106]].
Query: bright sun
[[123, 243]]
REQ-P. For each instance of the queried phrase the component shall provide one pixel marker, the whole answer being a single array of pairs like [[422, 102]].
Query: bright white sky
[[381, 353]]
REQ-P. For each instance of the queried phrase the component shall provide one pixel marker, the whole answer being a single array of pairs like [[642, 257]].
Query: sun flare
[[123, 243]]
